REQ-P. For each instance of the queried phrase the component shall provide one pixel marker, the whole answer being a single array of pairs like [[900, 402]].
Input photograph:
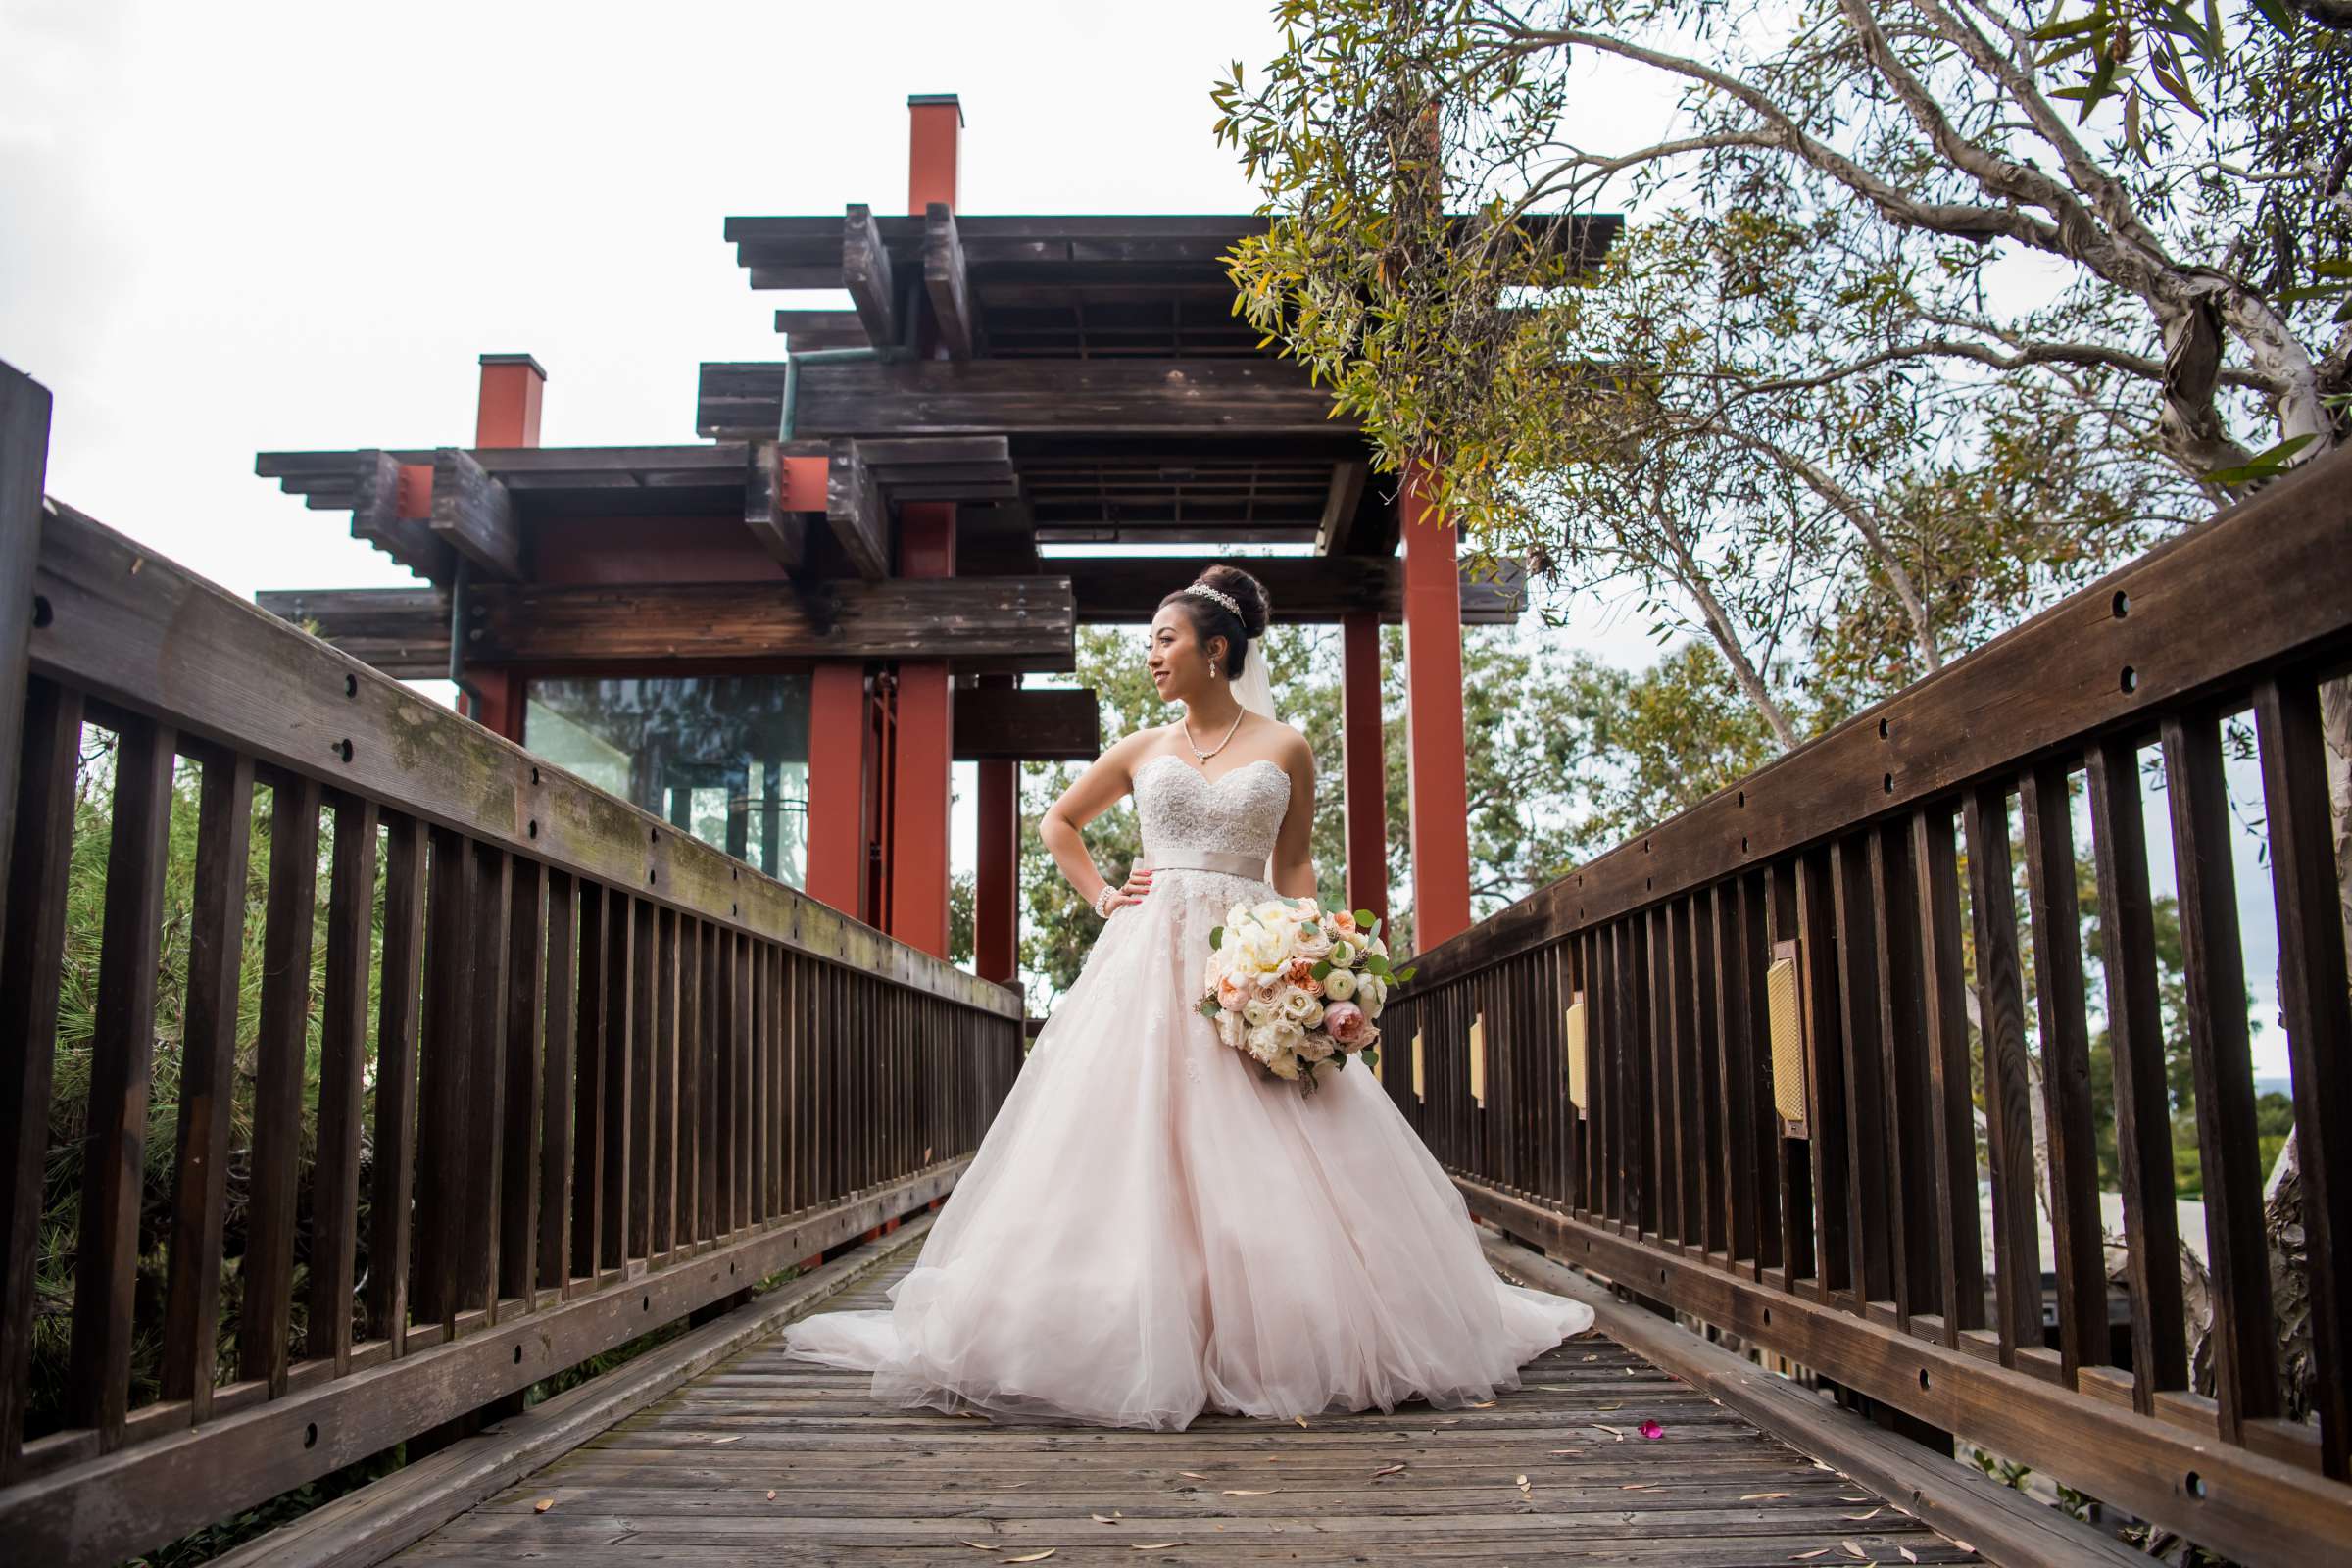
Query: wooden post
[[996, 884], [1363, 769], [1436, 781], [935, 130], [923, 728], [921, 771], [506, 415], [837, 832], [24, 473]]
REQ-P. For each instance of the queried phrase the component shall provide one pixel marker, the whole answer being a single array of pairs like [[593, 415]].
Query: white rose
[[1287, 1035], [1262, 1043], [1378, 944], [1230, 1029], [1258, 1012], [1285, 1064], [1371, 994], [1301, 1008], [1343, 954], [1340, 984]]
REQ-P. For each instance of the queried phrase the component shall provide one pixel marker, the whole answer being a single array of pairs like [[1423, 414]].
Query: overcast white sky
[[270, 225]]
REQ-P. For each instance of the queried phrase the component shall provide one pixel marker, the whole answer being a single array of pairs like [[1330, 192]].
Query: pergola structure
[[850, 562]]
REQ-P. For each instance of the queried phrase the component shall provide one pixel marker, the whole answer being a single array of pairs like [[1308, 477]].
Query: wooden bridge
[[582, 1077]]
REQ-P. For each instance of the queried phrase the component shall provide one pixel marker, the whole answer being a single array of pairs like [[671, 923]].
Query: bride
[[1151, 1225]]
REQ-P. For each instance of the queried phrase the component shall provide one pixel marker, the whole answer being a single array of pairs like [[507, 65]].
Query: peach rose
[[1346, 1023], [1342, 920], [1231, 993]]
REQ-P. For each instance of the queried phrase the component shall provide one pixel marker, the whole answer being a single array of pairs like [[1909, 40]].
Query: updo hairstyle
[[1210, 618]]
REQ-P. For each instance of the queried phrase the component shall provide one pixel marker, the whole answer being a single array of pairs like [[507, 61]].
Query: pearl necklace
[[1220, 746]]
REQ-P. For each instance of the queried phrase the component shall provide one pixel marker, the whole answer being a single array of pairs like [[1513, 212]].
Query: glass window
[[725, 758]]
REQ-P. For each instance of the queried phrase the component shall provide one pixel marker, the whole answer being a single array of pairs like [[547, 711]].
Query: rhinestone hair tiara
[[1220, 596]]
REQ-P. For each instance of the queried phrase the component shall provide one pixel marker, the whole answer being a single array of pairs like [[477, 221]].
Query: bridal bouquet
[[1297, 989]]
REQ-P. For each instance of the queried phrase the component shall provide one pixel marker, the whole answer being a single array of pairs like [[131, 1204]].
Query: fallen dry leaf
[[1390, 1471], [1575, 1451], [1035, 1556], [1014, 1486], [1808, 1557], [771, 1494], [1761, 1497], [1152, 1545], [1859, 1517], [1611, 1431], [1592, 1358], [1301, 1420], [1638, 1486], [543, 1504], [1251, 1491], [1102, 1518], [1519, 1480], [1483, 1404], [980, 1545], [1844, 1499], [1614, 1404], [1908, 1555], [715, 1442], [1860, 1555]]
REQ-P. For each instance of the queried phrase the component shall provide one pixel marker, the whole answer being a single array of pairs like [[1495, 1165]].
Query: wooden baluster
[[1687, 1108], [1773, 902], [739, 1085], [764, 1021], [620, 934], [2008, 1089], [398, 1010], [710, 1028], [2143, 1141], [267, 1272], [2245, 1363], [1866, 1110], [450, 958], [588, 1086], [207, 1082], [1745, 1176], [690, 1080], [2313, 997], [645, 1053], [342, 1081], [31, 965], [1610, 1084], [1710, 1126], [1951, 1110], [666, 1085], [2067, 1111], [1825, 1077], [489, 891], [1661, 1166], [1899, 1029], [729, 1162], [555, 1107], [519, 1195]]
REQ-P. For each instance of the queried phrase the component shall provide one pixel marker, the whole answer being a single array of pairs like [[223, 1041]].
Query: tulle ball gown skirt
[[1149, 1228]]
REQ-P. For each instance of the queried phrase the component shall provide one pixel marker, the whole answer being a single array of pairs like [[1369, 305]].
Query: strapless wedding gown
[[1151, 1227]]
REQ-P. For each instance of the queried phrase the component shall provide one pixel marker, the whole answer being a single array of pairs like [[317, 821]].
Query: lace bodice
[[1179, 808]]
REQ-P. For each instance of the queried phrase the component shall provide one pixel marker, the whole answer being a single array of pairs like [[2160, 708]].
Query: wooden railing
[[1878, 859], [579, 1075]]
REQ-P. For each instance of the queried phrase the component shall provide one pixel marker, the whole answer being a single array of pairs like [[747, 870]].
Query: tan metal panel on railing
[[1578, 1090]]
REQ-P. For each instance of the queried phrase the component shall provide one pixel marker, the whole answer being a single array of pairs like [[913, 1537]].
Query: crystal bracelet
[[1100, 899]]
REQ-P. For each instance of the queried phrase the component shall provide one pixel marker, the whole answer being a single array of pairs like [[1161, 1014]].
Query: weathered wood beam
[[1198, 397], [1011, 623], [854, 511], [823, 330], [474, 515], [1339, 506], [865, 273], [782, 533], [1032, 727], [946, 283], [402, 632], [366, 483]]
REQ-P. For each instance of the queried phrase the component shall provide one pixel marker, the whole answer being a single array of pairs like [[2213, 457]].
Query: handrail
[[1829, 1212], [578, 1074]]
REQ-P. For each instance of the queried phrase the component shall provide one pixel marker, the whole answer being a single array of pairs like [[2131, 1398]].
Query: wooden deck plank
[[764, 1454]]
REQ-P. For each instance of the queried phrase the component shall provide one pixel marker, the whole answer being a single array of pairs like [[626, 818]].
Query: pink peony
[[1346, 1023]]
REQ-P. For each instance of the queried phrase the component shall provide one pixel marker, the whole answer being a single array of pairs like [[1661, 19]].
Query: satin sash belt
[[1234, 863]]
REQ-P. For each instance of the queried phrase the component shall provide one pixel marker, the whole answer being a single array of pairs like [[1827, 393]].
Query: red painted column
[[921, 793], [997, 881], [513, 387], [922, 772], [1436, 769], [1363, 765], [837, 731]]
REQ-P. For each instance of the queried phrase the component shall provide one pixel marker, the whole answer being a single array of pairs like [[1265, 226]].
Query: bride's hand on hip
[[1132, 891]]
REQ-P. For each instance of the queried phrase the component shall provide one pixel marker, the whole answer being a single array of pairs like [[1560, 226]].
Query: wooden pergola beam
[[473, 513], [402, 632], [781, 532], [994, 622], [1052, 725], [1183, 397], [865, 273], [1302, 588], [854, 511], [948, 284]]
